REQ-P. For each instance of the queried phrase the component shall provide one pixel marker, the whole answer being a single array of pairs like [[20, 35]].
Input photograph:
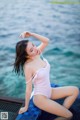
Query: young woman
[[36, 71]]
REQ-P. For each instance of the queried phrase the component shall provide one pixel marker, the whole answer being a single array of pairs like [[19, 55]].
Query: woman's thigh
[[51, 106], [61, 92]]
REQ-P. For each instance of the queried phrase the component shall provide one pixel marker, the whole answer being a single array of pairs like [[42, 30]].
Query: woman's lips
[[37, 51]]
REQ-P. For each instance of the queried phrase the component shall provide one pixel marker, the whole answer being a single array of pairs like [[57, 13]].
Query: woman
[[37, 71]]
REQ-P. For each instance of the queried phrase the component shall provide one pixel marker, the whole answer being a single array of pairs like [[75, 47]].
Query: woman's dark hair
[[21, 56]]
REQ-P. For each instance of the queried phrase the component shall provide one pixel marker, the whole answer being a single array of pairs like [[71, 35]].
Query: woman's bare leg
[[51, 106], [70, 92]]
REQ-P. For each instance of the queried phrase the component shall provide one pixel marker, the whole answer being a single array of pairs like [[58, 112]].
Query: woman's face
[[31, 49]]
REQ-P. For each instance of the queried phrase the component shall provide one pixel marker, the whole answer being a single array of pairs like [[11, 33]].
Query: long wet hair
[[21, 56]]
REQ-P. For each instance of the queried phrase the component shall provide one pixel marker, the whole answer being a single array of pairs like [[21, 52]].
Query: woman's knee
[[69, 116], [75, 90]]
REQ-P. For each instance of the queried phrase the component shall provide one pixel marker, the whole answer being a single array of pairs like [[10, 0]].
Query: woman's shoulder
[[27, 68], [29, 64]]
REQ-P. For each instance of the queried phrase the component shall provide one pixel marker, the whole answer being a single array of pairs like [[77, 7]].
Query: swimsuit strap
[[30, 79]]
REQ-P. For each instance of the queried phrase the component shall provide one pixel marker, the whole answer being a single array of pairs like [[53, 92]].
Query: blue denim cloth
[[33, 112]]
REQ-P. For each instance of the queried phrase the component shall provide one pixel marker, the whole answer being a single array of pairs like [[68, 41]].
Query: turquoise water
[[60, 23]]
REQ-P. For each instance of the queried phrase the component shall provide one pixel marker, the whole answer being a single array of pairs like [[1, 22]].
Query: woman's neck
[[33, 58]]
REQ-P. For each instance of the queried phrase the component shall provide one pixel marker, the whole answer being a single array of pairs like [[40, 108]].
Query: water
[[60, 23]]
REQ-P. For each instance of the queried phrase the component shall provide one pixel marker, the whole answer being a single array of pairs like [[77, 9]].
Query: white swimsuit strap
[[30, 79]]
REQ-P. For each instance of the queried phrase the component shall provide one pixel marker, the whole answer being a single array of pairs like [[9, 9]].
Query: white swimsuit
[[41, 81]]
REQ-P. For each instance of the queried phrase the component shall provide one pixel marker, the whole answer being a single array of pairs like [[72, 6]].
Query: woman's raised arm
[[44, 40]]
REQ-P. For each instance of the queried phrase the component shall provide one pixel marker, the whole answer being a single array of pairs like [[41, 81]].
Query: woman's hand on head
[[22, 110], [25, 34]]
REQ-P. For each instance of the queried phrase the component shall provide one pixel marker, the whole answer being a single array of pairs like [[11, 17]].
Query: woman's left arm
[[44, 41]]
